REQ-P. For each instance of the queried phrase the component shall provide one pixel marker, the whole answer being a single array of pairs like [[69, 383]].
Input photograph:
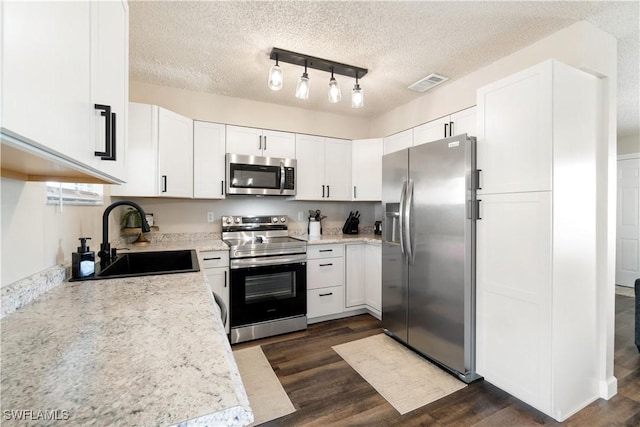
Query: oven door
[[267, 292]]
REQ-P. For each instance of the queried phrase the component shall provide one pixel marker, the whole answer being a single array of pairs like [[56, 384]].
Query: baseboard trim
[[608, 388]]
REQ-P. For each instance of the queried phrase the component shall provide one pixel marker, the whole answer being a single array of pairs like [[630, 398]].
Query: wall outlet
[[210, 217], [300, 216]]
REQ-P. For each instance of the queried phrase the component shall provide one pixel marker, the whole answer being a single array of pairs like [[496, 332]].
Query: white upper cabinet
[[455, 124], [208, 160], [324, 168], [175, 154], [259, 142], [366, 171], [515, 133], [110, 85], [398, 141], [160, 154], [59, 59]]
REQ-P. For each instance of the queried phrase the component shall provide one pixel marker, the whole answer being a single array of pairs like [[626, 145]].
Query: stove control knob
[[228, 220], [283, 219], [237, 220], [274, 219]]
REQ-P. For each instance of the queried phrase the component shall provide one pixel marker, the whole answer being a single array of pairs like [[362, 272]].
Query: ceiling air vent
[[428, 82]]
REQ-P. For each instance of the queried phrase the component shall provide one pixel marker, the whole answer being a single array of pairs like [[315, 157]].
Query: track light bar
[[317, 63]]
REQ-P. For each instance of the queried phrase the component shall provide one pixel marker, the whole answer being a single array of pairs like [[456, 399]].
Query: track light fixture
[[357, 95], [275, 76], [334, 90], [302, 89]]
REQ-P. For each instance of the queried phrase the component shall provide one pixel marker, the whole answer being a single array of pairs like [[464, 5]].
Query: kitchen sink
[[150, 263]]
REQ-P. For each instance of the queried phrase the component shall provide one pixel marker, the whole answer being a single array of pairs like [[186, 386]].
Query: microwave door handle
[[281, 177]]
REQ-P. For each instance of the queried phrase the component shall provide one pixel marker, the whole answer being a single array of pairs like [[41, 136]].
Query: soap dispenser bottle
[[83, 262]]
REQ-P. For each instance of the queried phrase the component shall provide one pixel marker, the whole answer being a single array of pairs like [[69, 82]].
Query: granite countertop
[[341, 238], [132, 351]]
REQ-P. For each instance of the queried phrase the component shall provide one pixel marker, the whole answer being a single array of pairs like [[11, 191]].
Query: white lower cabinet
[[373, 277], [216, 267], [325, 280], [363, 278]]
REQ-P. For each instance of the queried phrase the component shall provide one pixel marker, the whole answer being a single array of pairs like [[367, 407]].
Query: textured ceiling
[[223, 47]]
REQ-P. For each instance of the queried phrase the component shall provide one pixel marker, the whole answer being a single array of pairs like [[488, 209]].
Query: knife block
[[351, 226]]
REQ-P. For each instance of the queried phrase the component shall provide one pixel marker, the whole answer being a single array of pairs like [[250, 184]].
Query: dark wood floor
[[325, 390]]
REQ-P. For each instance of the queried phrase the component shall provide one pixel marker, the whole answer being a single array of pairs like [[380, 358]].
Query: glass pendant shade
[[335, 95], [357, 97], [302, 90], [275, 77]]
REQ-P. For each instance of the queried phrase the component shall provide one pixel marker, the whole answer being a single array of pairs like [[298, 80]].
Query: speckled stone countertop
[[342, 238], [132, 351]]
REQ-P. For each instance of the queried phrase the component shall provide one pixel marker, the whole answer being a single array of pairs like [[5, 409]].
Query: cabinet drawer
[[325, 301], [323, 251], [325, 272], [214, 259]]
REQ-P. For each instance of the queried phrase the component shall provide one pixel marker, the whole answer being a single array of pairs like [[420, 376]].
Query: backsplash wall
[[190, 216]]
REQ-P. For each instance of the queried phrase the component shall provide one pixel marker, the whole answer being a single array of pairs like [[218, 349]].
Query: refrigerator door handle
[[409, 247], [401, 218]]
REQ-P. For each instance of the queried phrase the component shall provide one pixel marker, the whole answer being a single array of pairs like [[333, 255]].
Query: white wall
[[224, 109], [36, 236]]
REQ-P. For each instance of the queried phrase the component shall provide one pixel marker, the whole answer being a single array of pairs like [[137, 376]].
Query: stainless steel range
[[268, 276]]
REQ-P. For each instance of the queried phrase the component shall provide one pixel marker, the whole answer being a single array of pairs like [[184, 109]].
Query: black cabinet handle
[[450, 128], [325, 250], [476, 178], [222, 188], [328, 193], [164, 183], [325, 295], [265, 142], [478, 209], [112, 146], [445, 129], [211, 259], [326, 265], [323, 191], [225, 278], [105, 111], [354, 192], [260, 142]]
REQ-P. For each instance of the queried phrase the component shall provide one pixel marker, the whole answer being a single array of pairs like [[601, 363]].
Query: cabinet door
[[355, 278], [310, 169], [337, 172], [373, 276], [110, 77], [514, 148], [398, 141], [142, 153], [46, 70], [208, 160], [175, 152], [431, 131], [278, 144], [513, 292], [219, 282], [367, 169], [241, 140], [464, 121]]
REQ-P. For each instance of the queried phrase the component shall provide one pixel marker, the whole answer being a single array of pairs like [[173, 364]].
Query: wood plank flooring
[[326, 391]]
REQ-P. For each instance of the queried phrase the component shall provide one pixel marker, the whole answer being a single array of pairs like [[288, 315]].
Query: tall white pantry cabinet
[[536, 241]]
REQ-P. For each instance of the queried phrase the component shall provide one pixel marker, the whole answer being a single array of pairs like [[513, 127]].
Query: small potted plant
[[131, 219]]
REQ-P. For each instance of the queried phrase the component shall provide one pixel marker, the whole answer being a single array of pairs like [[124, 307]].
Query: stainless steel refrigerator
[[428, 251]]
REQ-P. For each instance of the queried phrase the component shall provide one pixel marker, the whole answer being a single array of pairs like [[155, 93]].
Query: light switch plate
[[210, 217], [300, 216]]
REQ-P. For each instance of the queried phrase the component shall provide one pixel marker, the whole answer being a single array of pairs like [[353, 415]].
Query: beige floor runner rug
[[405, 379], [266, 395]]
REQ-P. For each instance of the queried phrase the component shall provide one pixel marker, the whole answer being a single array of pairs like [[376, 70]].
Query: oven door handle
[[266, 261]]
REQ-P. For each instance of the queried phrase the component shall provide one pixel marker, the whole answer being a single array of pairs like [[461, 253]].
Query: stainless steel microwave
[[263, 176]]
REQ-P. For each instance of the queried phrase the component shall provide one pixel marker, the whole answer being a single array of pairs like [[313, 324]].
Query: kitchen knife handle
[[323, 191], [164, 183]]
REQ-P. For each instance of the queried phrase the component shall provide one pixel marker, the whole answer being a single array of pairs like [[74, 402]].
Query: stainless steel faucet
[[105, 247]]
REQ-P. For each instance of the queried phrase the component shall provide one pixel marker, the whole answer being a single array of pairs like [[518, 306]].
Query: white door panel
[[628, 222]]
